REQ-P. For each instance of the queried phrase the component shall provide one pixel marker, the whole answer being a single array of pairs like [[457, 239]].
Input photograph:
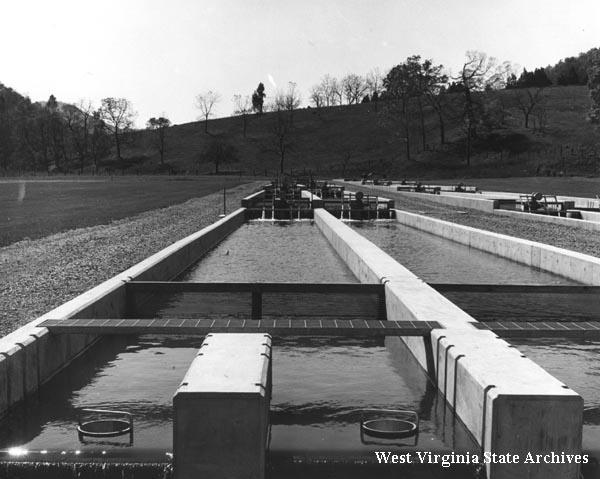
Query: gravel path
[[37, 276]]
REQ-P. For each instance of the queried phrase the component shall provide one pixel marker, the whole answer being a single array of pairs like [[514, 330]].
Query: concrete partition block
[[221, 409], [540, 429]]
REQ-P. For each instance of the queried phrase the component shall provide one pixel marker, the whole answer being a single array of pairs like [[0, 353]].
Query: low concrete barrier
[[590, 216], [588, 222], [576, 266], [221, 409], [30, 355], [251, 200], [509, 403], [460, 200]]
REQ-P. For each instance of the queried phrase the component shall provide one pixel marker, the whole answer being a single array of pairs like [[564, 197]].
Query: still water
[[577, 364], [319, 384], [137, 375], [437, 260], [267, 251]]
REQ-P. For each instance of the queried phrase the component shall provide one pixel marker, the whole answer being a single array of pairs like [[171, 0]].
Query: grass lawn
[[36, 208], [565, 186]]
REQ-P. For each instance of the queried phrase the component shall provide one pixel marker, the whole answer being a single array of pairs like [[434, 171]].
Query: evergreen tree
[[258, 99], [594, 87]]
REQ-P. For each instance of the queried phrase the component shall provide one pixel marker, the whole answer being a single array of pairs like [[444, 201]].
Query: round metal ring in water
[[104, 428], [389, 428]]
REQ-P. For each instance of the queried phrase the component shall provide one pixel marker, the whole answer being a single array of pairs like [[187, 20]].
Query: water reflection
[[272, 252], [320, 387], [437, 260], [129, 374]]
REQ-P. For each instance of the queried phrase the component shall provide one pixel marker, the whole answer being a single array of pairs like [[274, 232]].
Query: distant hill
[[347, 141], [358, 139]]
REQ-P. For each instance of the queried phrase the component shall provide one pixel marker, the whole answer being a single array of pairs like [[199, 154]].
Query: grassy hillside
[[357, 139]]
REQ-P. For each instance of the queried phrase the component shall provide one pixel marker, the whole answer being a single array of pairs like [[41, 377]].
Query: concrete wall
[[30, 355], [473, 201], [509, 403], [576, 266], [590, 216], [588, 221]]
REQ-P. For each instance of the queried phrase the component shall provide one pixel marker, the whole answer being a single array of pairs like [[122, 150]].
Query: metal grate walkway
[[278, 327], [542, 329]]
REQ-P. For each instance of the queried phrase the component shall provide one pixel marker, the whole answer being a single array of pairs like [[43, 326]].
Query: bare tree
[[374, 82], [281, 138], [99, 140], [329, 87], [317, 96], [206, 102], [293, 99], [243, 106], [78, 120], [354, 87], [158, 127], [527, 99], [337, 92], [477, 74], [118, 116], [289, 101]]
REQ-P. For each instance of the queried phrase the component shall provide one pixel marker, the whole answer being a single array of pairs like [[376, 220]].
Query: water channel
[[318, 384], [436, 260]]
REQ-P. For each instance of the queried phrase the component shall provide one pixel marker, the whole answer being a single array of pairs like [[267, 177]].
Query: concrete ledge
[[584, 223], [497, 393], [249, 201], [30, 355], [576, 266], [590, 216]]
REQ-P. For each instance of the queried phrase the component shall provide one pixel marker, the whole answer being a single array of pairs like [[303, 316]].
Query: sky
[[161, 54]]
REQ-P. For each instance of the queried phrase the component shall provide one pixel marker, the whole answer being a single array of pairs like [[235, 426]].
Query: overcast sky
[[161, 54]]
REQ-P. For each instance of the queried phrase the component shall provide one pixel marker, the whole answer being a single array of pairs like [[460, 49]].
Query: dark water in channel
[[437, 260], [319, 383]]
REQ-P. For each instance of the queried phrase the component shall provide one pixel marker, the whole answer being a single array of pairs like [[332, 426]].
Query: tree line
[[55, 136]]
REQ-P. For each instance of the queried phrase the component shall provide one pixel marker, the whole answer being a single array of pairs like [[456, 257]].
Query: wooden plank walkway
[[276, 327], [543, 329]]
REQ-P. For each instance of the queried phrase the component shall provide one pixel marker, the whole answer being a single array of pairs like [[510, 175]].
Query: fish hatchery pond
[[319, 384]]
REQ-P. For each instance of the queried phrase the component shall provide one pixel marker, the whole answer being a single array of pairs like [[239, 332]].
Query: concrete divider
[[30, 356], [509, 403], [473, 201], [250, 201], [587, 222], [221, 409], [576, 266]]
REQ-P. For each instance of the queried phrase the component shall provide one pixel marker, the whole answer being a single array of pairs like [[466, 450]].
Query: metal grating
[[290, 327]]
